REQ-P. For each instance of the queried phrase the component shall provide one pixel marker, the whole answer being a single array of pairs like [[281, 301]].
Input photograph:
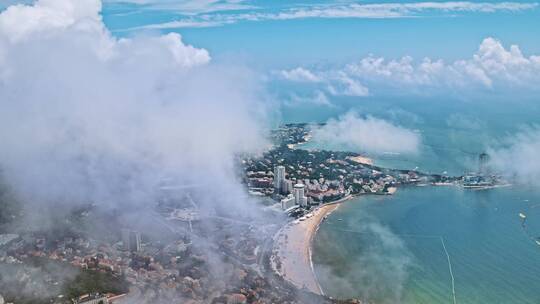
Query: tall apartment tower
[[131, 240], [299, 195], [125, 239], [279, 179], [483, 160]]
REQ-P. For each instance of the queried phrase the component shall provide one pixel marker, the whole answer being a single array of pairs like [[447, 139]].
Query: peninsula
[[307, 185]]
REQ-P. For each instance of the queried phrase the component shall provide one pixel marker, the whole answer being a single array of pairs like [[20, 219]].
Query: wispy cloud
[[189, 7], [300, 74], [336, 83], [342, 84], [340, 10], [318, 98], [176, 25]]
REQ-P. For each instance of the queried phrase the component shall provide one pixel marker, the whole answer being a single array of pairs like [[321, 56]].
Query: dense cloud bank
[[367, 134], [85, 116], [517, 156]]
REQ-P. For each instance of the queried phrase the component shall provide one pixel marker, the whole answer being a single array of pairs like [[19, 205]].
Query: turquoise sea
[[390, 249]]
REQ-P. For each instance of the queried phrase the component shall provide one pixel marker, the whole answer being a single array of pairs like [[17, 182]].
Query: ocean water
[[399, 249], [453, 133], [390, 250]]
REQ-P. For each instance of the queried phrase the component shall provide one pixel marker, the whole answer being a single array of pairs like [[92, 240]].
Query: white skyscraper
[[299, 197], [288, 202], [288, 186]]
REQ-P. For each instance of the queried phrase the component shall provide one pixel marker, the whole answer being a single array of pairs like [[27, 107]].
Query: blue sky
[[435, 32], [273, 35]]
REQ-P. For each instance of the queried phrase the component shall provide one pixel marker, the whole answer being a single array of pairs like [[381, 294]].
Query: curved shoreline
[[310, 248], [292, 252]]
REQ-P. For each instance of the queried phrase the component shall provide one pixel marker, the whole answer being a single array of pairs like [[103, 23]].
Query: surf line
[[427, 236]]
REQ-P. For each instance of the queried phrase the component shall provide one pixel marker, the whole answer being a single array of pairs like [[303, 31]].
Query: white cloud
[[335, 83], [391, 10], [88, 117], [189, 7], [177, 25], [492, 67], [367, 134], [345, 85], [519, 155], [46, 15], [353, 10], [300, 75], [317, 98]]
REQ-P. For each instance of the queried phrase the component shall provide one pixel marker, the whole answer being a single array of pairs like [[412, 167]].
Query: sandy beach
[[291, 256], [362, 160]]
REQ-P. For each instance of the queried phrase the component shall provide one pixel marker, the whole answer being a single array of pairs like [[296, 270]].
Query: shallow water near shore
[[390, 249]]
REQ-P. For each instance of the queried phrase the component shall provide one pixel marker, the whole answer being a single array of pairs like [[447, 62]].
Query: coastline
[[362, 160], [292, 252]]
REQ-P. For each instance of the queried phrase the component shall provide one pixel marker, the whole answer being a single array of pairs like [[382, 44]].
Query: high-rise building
[[125, 239], [279, 180], [288, 202], [135, 241], [299, 195], [288, 186], [483, 160], [131, 240]]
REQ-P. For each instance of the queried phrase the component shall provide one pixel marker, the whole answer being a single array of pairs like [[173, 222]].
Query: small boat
[[523, 216], [537, 241]]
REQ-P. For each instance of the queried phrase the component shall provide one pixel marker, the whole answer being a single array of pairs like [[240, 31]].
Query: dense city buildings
[[95, 298], [177, 261], [314, 177]]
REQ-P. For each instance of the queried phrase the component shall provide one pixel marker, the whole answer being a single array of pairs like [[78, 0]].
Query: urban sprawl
[[123, 265]]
